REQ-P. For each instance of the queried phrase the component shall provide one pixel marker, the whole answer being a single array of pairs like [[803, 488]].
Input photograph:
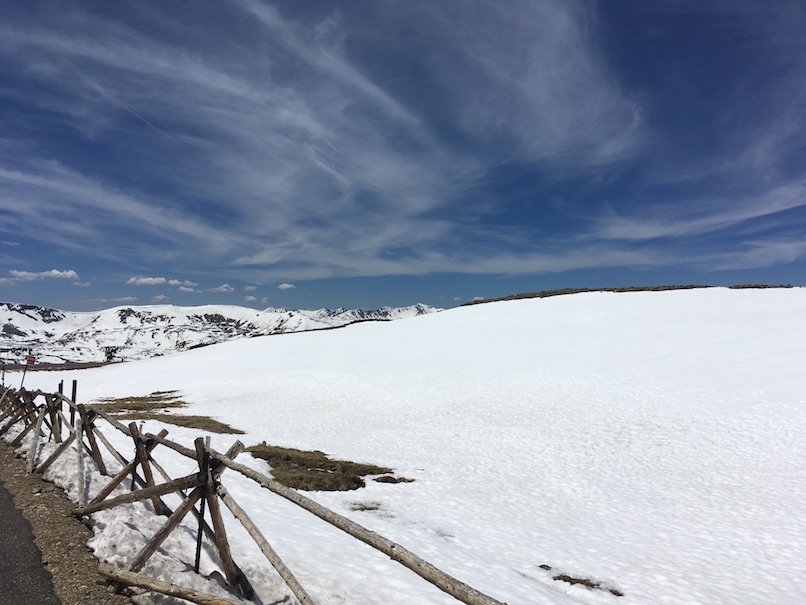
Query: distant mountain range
[[127, 333]]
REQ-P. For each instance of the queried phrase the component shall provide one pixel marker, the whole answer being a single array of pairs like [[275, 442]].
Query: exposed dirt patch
[[365, 506], [60, 537], [314, 470], [158, 400], [155, 406], [586, 582], [392, 479], [202, 423]]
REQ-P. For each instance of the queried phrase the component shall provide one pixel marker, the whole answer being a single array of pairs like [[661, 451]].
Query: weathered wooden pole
[[174, 520], [82, 489], [141, 494], [456, 588], [141, 456], [278, 564], [202, 452], [59, 451], [135, 579], [35, 441], [55, 420], [122, 474], [74, 401]]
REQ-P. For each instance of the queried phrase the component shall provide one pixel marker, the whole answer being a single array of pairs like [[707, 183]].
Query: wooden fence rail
[[47, 419]]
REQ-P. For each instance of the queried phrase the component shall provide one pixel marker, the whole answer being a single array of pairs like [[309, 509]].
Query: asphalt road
[[23, 578]]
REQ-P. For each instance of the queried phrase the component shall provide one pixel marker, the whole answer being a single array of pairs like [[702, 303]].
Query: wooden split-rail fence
[[74, 428]]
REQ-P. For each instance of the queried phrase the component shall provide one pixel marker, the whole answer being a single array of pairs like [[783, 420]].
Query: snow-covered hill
[[650, 442], [126, 333]]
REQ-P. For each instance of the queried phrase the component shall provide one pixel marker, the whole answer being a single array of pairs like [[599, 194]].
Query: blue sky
[[360, 153]]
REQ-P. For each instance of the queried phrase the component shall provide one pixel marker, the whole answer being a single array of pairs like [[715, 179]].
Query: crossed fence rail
[[74, 427]]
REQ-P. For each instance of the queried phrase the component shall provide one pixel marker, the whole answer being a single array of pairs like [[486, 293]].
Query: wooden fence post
[[35, 441], [203, 456], [82, 488], [141, 457], [86, 421], [55, 420]]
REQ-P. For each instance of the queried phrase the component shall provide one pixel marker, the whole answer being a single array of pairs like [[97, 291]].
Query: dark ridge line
[[61, 365], [565, 291]]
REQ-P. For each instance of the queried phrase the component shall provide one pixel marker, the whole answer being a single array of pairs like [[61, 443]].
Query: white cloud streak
[[350, 160], [186, 285], [292, 151], [146, 281], [52, 274], [701, 216]]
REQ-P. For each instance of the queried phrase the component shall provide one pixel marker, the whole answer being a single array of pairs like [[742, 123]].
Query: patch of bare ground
[[586, 582], [155, 406], [365, 506], [564, 291], [158, 400], [315, 471], [61, 538]]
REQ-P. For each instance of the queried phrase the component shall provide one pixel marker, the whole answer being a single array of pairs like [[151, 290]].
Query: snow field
[[650, 441]]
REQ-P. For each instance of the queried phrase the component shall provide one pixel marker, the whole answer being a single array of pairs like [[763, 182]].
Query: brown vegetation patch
[[153, 406], [757, 286], [365, 506], [314, 470], [586, 582], [202, 423], [158, 400], [392, 479], [563, 291]]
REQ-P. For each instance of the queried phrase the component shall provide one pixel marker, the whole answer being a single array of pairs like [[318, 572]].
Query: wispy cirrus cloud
[[354, 156], [310, 140], [697, 217], [756, 254]]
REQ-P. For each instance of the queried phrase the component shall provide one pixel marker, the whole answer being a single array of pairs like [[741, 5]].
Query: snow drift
[[652, 442]]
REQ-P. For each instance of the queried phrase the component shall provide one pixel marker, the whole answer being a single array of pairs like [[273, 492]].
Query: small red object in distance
[[30, 360]]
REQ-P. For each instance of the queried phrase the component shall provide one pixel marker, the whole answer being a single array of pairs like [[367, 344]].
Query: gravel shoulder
[[61, 538]]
